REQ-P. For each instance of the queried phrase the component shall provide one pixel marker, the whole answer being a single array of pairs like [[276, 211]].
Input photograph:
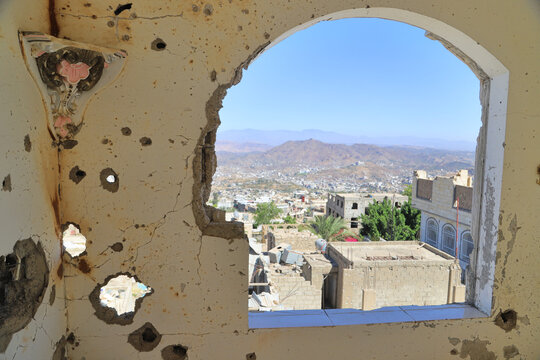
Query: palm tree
[[327, 226]]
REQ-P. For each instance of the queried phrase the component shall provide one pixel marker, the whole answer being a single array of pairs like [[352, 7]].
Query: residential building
[[437, 199], [351, 206]]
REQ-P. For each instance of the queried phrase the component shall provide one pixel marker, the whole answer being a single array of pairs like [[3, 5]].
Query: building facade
[[351, 206], [372, 275], [437, 200]]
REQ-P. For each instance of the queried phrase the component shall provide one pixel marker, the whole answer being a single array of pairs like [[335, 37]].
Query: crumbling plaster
[[199, 298]]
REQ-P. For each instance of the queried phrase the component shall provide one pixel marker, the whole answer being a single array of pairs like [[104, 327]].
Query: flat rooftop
[[389, 251]]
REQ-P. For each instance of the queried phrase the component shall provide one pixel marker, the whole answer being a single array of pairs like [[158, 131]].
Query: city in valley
[[322, 218]]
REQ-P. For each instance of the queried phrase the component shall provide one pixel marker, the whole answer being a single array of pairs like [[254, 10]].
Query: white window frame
[[494, 80], [436, 225]]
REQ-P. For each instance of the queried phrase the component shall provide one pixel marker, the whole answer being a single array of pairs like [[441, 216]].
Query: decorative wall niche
[[68, 74]]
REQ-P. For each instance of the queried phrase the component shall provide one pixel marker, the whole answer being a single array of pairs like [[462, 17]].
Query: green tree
[[289, 220], [215, 199], [382, 220], [266, 212], [408, 191], [327, 227]]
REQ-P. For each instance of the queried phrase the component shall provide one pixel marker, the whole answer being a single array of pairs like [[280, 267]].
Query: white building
[[351, 206], [437, 200]]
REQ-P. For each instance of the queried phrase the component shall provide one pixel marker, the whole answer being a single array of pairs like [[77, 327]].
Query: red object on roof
[[351, 239]]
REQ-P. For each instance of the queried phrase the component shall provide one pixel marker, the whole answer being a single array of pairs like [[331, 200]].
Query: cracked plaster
[[180, 245]]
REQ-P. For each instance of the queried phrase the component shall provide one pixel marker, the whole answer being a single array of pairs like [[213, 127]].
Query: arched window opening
[[466, 246], [449, 239], [432, 232], [277, 161]]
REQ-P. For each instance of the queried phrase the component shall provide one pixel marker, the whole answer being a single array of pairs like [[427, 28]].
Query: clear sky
[[368, 77]]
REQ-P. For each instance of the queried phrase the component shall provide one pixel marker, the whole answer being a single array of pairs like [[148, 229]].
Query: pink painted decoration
[[73, 73], [60, 122]]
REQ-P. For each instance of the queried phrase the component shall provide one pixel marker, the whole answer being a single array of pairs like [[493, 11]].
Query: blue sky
[[366, 77]]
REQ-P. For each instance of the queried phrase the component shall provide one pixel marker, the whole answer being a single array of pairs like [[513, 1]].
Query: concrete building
[[437, 200], [379, 274], [181, 57], [351, 206]]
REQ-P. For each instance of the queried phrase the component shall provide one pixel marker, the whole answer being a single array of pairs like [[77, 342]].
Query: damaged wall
[[148, 127], [31, 286]]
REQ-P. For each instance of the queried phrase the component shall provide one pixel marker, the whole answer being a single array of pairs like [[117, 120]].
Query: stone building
[[133, 169], [437, 200], [380, 274], [351, 206]]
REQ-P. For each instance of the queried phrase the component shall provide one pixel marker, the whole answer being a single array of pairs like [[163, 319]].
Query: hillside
[[317, 154]]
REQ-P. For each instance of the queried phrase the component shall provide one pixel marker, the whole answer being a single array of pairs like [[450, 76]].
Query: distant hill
[[240, 147], [278, 137], [317, 154]]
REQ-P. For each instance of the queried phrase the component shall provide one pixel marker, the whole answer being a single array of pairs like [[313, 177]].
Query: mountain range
[[317, 154], [270, 138]]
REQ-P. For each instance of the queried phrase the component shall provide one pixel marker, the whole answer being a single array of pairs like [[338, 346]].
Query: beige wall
[[199, 297]]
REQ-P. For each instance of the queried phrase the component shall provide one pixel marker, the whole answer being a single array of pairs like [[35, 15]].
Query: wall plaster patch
[[67, 73]]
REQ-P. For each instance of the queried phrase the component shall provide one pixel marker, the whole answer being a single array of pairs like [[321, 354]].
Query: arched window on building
[[449, 239], [466, 246], [432, 232], [354, 206]]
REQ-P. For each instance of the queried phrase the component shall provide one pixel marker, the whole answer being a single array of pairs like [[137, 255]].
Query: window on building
[[449, 239], [432, 232], [466, 245], [354, 206], [354, 223]]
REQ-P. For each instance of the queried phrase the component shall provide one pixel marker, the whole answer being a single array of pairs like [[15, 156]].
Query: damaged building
[[109, 113]]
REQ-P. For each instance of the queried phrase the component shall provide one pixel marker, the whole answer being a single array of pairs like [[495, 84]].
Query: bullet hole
[[27, 143], [158, 45], [6, 183], [126, 131], [71, 338], [195, 8], [506, 320], [110, 23], [118, 299], [52, 295], [208, 9], [117, 247], [87, 4], [125, 37], [538, 173], [69, 144], [266, 35], [74, 242], [174, 352], [145, 338], [213, 75], [23, 281], [453, 352], [83, 266], [105, 141], [109, 180], [121, 8], [76, 174], [251, 356], [145, 141], [245, 11]]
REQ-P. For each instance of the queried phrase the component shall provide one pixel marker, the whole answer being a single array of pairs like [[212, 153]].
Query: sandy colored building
[[133, 166], [373, 275]]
